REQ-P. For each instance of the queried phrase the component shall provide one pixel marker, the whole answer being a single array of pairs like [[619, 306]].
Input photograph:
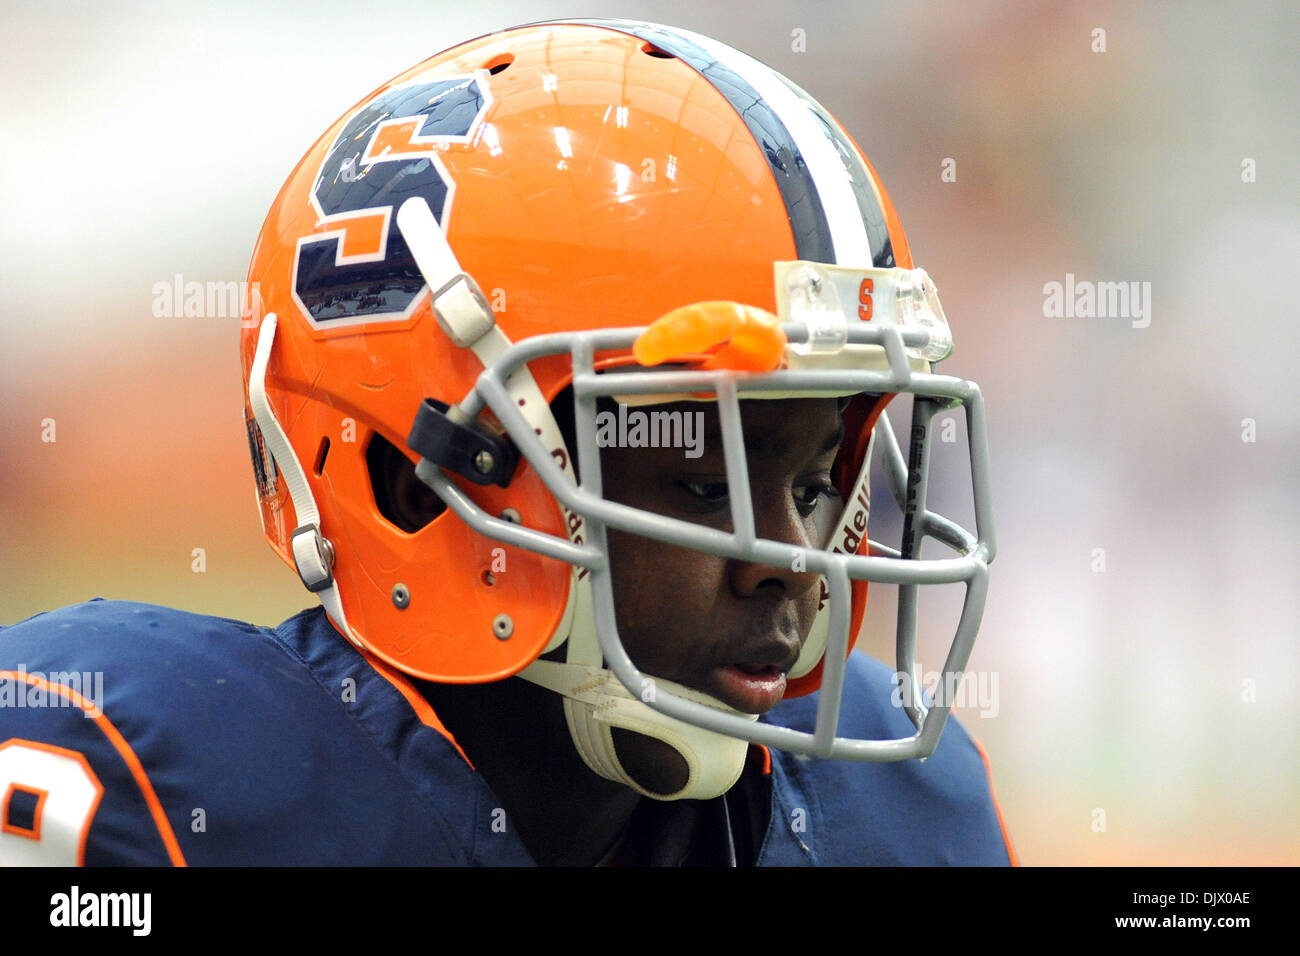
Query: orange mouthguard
[[752, 340]]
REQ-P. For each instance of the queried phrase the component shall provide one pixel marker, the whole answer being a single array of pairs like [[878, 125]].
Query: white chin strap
[[313, 553], [596, 703]]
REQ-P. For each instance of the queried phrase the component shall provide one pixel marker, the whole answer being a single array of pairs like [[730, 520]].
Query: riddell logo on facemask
[[641, 429]]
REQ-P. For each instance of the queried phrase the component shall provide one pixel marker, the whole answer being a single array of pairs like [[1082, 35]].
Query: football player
[[570, 350]]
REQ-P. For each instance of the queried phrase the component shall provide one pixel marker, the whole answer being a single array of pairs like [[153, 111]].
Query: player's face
[[730, 628]]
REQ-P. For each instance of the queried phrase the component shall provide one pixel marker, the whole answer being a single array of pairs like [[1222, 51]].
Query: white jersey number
[[48, 796]]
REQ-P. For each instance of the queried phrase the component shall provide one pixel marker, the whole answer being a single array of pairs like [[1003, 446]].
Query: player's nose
[[778, 520]]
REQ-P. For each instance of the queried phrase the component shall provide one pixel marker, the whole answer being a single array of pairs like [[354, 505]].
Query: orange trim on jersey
[[90, 773], [988, 773], [124, 751], [767, 759], [413, 697], [33, 832]]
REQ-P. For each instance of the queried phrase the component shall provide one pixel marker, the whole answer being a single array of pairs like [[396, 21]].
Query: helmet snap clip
[[470, 450]]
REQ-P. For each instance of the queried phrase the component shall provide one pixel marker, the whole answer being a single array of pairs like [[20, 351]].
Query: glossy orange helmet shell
[[587, 175]]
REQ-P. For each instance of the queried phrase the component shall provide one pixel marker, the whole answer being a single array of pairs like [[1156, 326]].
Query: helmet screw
[[483, 461], [327, 552], [503, 626], [401, 596], [511, 515]]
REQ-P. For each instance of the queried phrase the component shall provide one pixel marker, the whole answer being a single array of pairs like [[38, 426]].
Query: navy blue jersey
[[138, 734]]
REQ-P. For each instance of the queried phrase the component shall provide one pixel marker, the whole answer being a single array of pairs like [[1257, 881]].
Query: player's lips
[[750, 688], [753, 681]]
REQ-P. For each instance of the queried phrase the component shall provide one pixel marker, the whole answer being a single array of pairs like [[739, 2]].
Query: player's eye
[[809, 497], [713, 492]]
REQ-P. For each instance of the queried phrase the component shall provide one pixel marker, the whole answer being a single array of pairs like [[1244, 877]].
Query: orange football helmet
[[446, 252]]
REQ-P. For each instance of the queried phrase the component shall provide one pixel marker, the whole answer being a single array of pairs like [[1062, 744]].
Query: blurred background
[[1139, 650]]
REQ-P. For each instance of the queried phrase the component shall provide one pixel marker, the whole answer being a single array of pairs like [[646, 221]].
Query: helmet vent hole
[[489, 579], [401, 497], [499, 63], [321, 453], [649, 49]]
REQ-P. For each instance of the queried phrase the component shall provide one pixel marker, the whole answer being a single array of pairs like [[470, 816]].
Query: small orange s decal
[[864, 299]]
